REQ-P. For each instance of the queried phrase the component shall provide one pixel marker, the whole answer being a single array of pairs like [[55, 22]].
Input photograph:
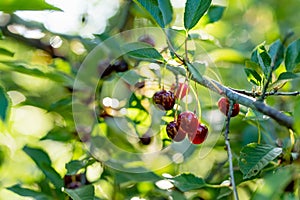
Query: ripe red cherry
[[223, 105], [165, 100], [180, 90], [187, 122], [200, 134], [173, 133]]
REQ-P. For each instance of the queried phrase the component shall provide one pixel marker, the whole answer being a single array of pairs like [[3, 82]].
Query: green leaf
[[254, 66], [297, 116], [142, 51], [74, 166], [254, 57], [59, 134], [177, 39], [43, 161], [160, 10], [166, 9], [86, 192], [194, 10], [6, 52], [287, 76], [62, 103], [14, 5], [25, 69], [274, 184], [254, 157], [276, 51], [264, 60], [28, 193], [253, 76], [215, 13], [195, 71], [187, 182], [4, 104], [292, 56], [40, 157]]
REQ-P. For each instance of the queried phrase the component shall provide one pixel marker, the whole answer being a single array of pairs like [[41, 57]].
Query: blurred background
[[48, 47]]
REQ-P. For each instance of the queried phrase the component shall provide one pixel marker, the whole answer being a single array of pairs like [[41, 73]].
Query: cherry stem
[[198, 102], [227, 143]]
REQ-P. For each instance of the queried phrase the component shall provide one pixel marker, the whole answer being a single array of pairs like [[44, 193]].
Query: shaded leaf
[[4, 104], [62, 103], [215, 13], [75, 165], [254, 157], [287, 76], [28, 193], [160, 10], [276, 51], [142, 51], [14, 5], [254, 66], [86, 192], [195, 71], [59, 134], [292, 56], [25, 69], [194, 10], [40, 157], [264, 60], [187, 182], [166, 9], [43, 161], [274, 184], [254, 57], [177, 39], [6, 52]]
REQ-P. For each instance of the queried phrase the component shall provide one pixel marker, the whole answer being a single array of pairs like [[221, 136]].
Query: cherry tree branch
[[242, 99]]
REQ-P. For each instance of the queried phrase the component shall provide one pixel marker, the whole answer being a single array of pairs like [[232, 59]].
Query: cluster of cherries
[[187, 123]]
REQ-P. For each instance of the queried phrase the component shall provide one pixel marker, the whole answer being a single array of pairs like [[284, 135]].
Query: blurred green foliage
[[41, 151]]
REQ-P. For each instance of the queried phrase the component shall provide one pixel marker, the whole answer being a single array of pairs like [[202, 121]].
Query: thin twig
[[271, 93], [227, 143]]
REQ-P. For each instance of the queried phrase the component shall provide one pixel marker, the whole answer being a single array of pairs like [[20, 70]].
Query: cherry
[[188, 122], [223, 105], [173, 133], [145, 139], [165, 100], [147, 39], [177, 90], [200, 134]]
